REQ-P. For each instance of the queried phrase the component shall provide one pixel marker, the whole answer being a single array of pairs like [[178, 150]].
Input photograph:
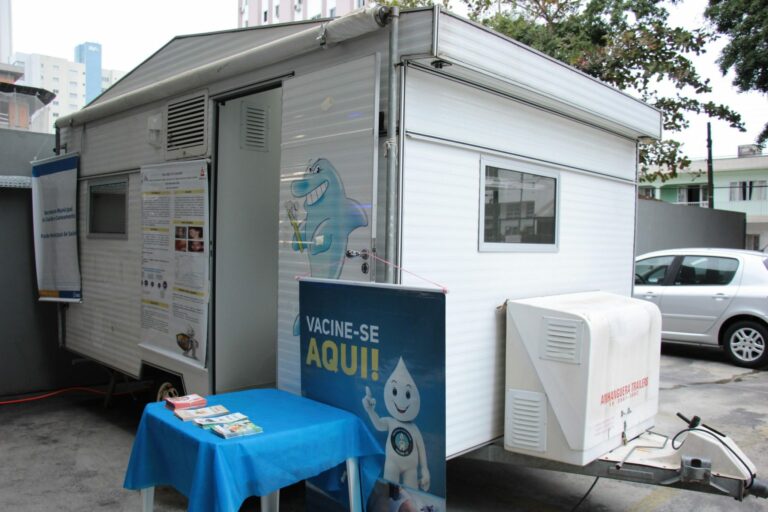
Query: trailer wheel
[[164, 385], [166, 390], [745, 344]]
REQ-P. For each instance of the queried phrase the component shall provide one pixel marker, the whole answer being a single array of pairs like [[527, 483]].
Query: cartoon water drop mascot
[[406, 458], [330, 218]]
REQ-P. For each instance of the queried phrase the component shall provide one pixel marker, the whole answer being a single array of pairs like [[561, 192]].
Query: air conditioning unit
[[582, 374]]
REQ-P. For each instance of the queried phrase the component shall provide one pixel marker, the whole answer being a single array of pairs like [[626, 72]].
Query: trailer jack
[[698, 458]]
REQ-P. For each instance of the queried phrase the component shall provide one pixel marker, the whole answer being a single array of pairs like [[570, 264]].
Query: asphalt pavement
[[69, 452]]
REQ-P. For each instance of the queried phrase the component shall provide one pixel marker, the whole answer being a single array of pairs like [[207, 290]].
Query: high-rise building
[[6, 38], [252, 13], [66, 79], [22, 107], [109, 77], [89, 54]]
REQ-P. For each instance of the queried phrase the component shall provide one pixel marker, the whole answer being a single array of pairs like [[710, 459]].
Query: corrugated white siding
[[440, 236], [107, 325], [118, 143], [330, 114], [540, 78], [453, 111]]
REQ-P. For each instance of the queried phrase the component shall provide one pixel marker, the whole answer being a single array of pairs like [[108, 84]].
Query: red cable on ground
[[58, 392]]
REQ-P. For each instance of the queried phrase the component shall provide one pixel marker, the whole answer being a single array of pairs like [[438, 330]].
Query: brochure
[[237, 429], [203, 412], [185, 402], [220, 420]]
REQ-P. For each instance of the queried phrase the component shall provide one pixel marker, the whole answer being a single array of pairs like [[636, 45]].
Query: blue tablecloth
[[301, 439]]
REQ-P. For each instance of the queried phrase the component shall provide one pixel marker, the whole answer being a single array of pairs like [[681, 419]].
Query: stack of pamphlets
[[185, 402], [237, 429], [209, 423], [202, 412], [215, 418]]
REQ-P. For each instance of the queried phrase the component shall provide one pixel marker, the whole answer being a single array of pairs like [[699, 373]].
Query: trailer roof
[[471, 52], [186, 52]]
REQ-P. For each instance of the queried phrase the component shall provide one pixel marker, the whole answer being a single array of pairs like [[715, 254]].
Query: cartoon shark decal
[[330, 218]]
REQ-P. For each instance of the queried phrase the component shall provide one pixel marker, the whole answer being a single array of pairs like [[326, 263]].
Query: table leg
[[353, 483], [148, 499], [271, 502]]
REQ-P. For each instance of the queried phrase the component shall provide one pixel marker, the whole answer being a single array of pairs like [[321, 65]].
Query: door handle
[[350, 253], [719, 296]]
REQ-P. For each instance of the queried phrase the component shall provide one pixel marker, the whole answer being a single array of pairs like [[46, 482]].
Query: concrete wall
[[30, 359], [662, 225]]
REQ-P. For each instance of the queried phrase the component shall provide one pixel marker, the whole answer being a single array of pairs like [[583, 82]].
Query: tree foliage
[[626, 43], [746, 23]]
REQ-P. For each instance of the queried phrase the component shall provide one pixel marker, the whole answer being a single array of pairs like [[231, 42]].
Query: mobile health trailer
[[227, 164]]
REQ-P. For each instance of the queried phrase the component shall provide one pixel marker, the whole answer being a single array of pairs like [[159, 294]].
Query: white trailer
[[460, 156]]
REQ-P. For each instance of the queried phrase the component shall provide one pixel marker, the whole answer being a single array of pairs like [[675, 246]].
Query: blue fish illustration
[[330, 218]]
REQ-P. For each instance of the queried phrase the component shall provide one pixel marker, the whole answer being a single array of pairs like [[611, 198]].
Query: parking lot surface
[[70, 453]]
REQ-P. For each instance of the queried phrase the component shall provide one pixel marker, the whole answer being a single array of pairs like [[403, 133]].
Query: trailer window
[[518, 210], [107, 208]]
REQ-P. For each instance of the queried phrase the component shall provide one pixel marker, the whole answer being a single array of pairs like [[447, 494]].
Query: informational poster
[[175, 264], [379, 351], [54, 217]]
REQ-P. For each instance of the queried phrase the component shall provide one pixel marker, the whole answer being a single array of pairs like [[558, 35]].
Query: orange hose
[[58, 392]]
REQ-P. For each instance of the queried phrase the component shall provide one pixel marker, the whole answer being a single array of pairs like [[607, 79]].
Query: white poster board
[[175, 263], [54, 217]]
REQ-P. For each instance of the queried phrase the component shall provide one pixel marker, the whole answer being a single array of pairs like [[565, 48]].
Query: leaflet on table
[[200, 413], [220, 420], [175, 251], [186, 401], [237, 429]]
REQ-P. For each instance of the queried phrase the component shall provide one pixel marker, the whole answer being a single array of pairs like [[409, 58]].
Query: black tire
[[163, 385], [165, 389], [746, 344]]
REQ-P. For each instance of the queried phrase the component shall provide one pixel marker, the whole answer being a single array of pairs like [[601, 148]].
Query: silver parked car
[[710, 297]]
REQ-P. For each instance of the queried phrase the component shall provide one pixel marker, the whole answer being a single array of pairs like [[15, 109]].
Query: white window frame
[[539, 169]]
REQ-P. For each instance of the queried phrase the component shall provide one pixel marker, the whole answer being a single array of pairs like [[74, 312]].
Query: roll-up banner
[[54, 217], [378, 351]]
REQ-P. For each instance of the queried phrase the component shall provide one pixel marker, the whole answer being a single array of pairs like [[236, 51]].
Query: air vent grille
[[254, 134], [186, 126], [562, 340], [525, 425]]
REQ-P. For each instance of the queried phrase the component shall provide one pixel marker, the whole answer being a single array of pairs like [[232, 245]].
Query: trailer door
[[245, 277], [327, 189]]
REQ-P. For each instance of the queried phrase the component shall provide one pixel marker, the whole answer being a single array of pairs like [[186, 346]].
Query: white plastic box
[[582, 374]]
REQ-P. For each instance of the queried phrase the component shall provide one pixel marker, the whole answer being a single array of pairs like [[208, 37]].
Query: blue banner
[[54, 218], [379, 351]]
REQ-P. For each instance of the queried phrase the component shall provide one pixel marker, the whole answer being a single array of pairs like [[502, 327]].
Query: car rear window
[[706, 270]]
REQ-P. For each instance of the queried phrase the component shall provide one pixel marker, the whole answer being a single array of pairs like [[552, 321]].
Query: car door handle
[[649, 295], [719, 296]]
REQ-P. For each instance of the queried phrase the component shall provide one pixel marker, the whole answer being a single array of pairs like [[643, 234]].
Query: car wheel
[[745, 344]]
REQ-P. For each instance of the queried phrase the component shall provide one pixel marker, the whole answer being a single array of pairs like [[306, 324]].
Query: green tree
[[746, 23], [626, 43]]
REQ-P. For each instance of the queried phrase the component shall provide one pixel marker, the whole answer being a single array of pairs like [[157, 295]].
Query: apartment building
[[740, 184], [68, 80]]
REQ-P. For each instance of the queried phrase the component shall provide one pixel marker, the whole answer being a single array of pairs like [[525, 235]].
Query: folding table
[[301, 439]]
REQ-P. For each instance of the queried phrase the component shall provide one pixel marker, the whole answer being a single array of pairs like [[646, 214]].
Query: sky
[[129, 31]]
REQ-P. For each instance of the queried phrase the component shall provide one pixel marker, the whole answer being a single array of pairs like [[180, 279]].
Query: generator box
[[582, 374]]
